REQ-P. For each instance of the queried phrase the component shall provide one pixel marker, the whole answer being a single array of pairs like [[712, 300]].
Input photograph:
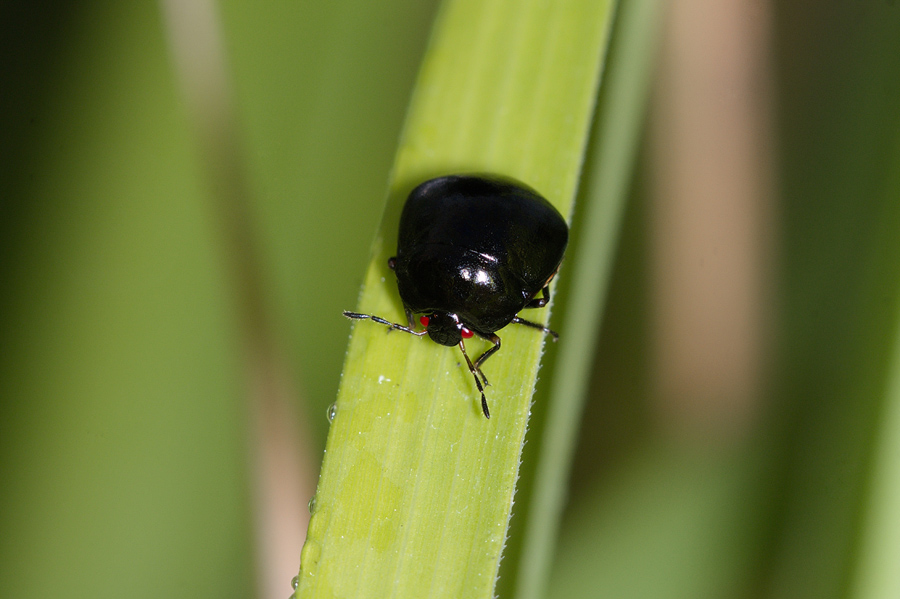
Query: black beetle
[[472, 252]]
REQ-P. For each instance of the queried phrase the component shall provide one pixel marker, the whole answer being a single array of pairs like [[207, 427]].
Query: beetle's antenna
[[474, 371], [380, 320]]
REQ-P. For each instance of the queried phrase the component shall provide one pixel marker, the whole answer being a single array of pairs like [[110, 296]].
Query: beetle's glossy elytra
[[472, 252]]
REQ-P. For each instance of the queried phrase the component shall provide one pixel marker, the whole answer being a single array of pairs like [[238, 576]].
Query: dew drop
[[295, 582], [332, 412], [312, 504]]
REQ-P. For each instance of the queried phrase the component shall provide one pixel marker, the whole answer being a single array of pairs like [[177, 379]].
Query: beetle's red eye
[[466, 333], [424, 320]]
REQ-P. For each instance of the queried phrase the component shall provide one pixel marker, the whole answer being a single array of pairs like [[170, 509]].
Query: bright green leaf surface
[[416, 487]]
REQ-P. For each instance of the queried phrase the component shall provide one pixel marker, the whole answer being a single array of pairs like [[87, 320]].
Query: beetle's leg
[[540, 302], [380, 320], [475, 372], [410, 318], [496, 341], [535, 325]]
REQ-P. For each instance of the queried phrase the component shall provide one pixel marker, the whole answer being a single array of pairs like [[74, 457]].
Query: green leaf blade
[[416, 488]]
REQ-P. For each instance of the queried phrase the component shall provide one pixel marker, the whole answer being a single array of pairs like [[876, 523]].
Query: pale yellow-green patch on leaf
[[417, 486]]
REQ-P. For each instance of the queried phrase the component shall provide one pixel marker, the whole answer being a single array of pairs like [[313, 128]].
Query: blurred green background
[[123, 424]]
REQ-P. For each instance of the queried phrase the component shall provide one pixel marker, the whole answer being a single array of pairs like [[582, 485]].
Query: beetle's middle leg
[[537, 326]]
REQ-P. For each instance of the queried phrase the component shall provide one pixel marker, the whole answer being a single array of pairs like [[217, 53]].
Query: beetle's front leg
[[496, 341], [475, 372]]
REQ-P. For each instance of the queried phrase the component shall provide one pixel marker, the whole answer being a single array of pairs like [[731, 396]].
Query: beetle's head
[[445, 328]]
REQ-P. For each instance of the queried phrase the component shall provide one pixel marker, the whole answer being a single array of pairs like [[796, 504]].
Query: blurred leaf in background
[[839, 132]]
